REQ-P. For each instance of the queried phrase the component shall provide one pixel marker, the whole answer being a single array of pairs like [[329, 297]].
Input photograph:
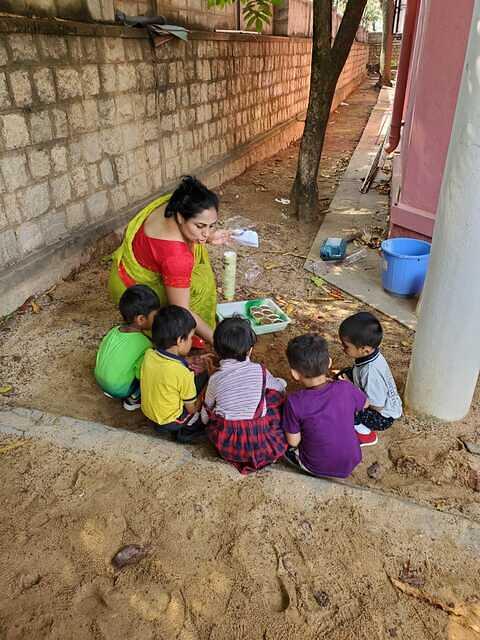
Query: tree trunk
[[305, 190], [327, 63], [388, 9]]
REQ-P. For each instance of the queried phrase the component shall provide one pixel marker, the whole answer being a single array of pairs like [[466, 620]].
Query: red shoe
[[198, 343], [367, 440]]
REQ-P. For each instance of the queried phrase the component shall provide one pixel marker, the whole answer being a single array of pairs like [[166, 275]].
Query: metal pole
[[446, 356]]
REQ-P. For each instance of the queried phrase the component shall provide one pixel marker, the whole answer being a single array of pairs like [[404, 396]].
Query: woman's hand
[[220, 236], [208, 362], [212, 362]]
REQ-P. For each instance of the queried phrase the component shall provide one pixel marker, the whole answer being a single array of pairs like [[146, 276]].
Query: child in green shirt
[[120, 355]]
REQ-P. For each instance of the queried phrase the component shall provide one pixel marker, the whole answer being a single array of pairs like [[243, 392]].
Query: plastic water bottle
[[229, 274]]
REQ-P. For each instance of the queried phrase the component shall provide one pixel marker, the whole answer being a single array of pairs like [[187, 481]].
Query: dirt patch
[[48, 356], [228, 560]]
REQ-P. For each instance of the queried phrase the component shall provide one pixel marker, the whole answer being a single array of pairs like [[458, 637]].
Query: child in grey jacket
[[361, 336]]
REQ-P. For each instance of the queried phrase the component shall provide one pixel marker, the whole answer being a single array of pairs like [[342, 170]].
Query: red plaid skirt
[[250, 444]]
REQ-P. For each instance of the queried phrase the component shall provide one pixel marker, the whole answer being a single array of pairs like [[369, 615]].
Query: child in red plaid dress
[[243, 401]]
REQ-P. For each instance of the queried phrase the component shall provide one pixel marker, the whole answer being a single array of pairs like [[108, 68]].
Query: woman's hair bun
[[190, 182], [190, 198]]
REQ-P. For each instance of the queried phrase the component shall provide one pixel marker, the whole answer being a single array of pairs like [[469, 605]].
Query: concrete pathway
[[352, 211], [81, 435], [380, 512]]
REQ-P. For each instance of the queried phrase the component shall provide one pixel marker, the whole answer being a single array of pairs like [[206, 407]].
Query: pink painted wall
[[434, 78]]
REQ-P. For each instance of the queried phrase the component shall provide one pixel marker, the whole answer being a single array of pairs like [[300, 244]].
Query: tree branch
[[346, 31]]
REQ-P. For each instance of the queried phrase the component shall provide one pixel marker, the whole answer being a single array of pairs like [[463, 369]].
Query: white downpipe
[[446, 355]]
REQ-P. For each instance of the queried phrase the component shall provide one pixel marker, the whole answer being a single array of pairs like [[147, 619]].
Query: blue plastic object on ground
[[405, 264], [333, 249]]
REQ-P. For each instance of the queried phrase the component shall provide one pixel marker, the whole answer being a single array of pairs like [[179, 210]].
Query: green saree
[[126, 269]]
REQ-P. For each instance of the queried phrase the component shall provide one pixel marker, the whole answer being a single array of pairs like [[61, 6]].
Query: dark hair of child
[[308, 354], [190, 198], [138, 300], [170, 324], [362, 330], [233, 338]]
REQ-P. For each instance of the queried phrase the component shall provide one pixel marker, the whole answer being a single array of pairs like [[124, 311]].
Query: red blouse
[[172, 259]]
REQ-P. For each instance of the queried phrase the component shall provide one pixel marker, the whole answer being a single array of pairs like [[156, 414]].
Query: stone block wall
[[294, 18], [93, 123], [353, 71], [375, 43], [136, 7], [196, 14]]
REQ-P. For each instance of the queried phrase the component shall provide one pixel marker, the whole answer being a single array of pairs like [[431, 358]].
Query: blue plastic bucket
[[405, 264]]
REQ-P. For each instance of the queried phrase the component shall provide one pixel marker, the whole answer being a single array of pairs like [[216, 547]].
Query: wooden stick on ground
[[14, 445], [467, 614], [285, 253], [373, 167]]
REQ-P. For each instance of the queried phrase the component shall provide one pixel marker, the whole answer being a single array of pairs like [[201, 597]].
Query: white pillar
[[446, 355]]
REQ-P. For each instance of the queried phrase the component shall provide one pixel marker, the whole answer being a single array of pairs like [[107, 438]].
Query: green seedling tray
[[243, 307]]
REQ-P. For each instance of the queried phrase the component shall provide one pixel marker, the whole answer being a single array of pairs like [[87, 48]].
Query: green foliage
[[256, 13], [371, 15]]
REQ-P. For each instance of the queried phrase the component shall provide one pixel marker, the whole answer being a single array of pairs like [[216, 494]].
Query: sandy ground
[[230, 558], [64, 514]]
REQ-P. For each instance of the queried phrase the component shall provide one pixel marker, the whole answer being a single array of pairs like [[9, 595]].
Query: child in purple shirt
[[319, 420]]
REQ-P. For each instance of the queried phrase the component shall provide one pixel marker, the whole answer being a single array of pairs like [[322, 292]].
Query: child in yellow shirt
[[169, 389]]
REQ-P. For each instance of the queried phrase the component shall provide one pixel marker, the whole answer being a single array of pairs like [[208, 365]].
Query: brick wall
[[91, 126], [294, 18], [78, 9], [195, 14], [353, 72], [135, 7], [375, 43]]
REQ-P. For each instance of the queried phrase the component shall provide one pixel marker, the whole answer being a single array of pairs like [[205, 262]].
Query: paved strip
[[83, 435], [352, 211], [380, 512]]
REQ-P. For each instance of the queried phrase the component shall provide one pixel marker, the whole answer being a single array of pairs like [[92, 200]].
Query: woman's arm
[[181, 297]]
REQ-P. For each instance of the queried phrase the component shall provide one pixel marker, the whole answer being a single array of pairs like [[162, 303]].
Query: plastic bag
[[245, 237], [354, 257], [252, 272], [236, 223], [241, 231]]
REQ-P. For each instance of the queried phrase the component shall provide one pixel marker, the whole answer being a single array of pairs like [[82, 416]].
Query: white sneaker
[[132, 403], [362, 429]]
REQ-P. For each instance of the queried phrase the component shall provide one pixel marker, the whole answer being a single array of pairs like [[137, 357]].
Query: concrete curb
[[384, 513], [82, 435], [381, 512]]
